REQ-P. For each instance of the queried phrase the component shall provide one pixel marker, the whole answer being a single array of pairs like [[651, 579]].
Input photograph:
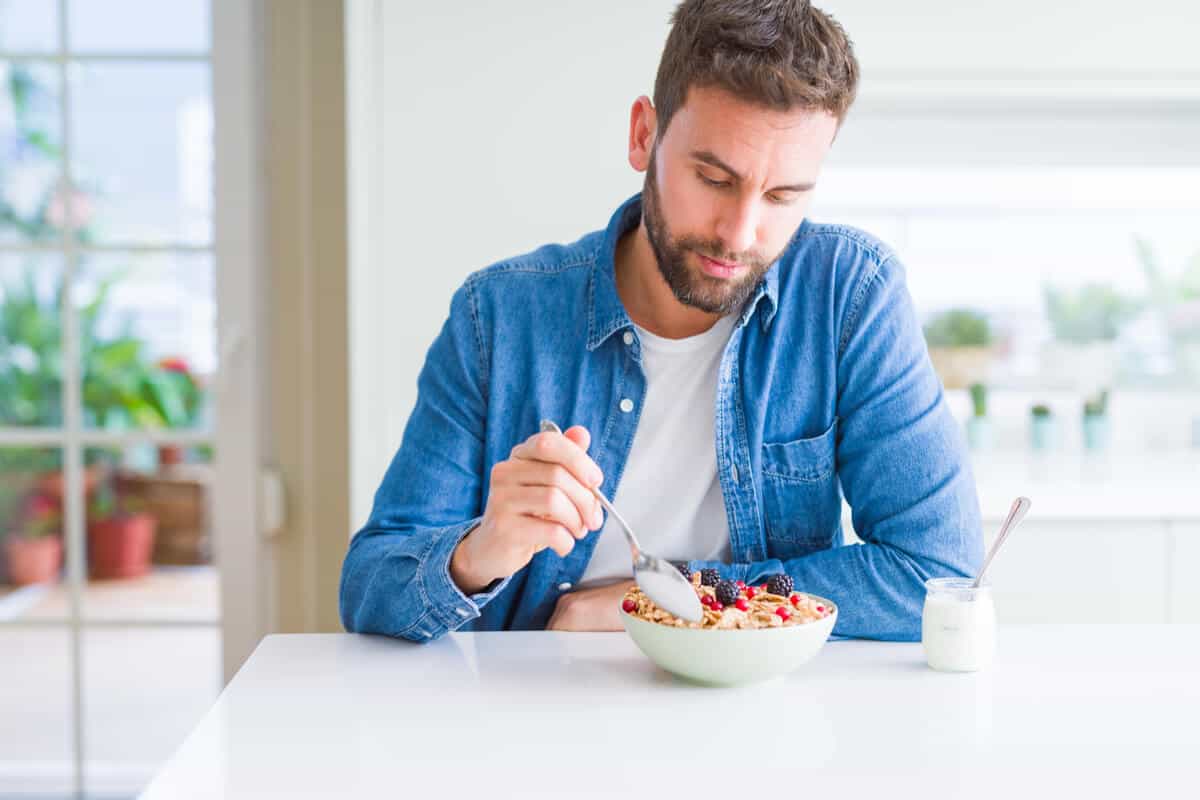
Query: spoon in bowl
[[657, 577]]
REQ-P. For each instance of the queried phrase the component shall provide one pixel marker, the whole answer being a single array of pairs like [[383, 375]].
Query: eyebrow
[[709, 158]]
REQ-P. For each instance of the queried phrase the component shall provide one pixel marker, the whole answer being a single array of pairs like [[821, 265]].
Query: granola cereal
[[755, 607]]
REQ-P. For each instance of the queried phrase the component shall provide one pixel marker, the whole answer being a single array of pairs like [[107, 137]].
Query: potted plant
[[1095, 421], [120, 535], [184, 414], [1086, 323], [33, 548], [979, 427], [959, 342], [1176, 301], [1042, 431]]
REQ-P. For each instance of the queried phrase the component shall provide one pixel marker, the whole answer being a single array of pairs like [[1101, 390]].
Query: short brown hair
[[780, 54]]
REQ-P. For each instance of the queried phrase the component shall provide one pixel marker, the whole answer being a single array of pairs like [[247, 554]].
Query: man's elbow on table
[[373, 599]]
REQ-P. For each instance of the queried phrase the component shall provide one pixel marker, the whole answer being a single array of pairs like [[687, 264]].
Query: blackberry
[[727, 593], [709, 577], [682, 566], [780, 584]]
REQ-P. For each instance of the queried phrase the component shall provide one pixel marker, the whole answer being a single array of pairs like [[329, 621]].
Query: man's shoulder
[[549, 260], [846, 248], [826, 259]]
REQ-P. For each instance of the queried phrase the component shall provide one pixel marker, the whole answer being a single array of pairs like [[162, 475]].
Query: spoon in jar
[[1020, 507], [657, 577]]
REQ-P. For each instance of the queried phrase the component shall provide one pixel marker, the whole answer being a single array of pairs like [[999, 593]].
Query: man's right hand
[[540, 497]]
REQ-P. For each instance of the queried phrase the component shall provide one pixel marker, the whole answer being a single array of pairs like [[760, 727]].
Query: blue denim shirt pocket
[[801, 501]]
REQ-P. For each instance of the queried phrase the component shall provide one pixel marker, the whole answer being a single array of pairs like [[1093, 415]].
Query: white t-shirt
[[669, 491]]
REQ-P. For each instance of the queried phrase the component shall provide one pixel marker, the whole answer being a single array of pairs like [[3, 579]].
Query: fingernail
[[596, 477]]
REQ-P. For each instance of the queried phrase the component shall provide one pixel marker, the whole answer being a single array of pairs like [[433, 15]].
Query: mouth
[[720, 269]]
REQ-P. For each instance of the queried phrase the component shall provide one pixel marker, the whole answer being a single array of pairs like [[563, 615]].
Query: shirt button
[[627, 405], [564, 586], [628, 337]]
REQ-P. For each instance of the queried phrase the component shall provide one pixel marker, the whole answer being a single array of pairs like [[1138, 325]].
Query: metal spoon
[[1019, 508], [658, 578]]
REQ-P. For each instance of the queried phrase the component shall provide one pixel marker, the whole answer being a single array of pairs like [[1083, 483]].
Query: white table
[[1085, 711]]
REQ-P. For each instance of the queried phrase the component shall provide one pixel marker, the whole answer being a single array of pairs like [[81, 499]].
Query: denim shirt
[[825, 390]]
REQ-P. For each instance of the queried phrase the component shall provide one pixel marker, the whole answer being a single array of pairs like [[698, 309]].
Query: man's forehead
[[735, 131]]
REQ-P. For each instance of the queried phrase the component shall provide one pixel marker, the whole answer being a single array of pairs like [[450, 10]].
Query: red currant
[[742, 604], [716, 606], [783, 612], [750, 592], [629, 606], [796, 600]]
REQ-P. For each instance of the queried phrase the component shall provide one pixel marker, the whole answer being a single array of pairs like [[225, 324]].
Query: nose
[[737, 225]]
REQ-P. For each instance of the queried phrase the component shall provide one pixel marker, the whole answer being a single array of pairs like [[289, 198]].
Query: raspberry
[[727, 592], [709, 577], [780, 584]]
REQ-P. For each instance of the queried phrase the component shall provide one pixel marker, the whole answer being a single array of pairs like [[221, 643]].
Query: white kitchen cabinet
[[1182, 568], [1082, 572]]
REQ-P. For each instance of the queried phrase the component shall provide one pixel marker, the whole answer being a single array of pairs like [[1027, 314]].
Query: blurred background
[[230, 229]]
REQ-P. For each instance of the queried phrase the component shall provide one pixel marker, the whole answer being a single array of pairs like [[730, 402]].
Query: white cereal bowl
[[730, 657]]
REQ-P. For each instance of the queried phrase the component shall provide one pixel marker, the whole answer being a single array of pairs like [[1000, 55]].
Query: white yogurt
[[958, 627]]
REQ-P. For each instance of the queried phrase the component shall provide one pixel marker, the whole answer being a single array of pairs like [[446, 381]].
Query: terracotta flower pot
[[120, 546], [169, 455], [54, 483], [33, 559]]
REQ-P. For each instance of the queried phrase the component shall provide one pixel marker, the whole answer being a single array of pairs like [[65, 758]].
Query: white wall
[[478, 133]]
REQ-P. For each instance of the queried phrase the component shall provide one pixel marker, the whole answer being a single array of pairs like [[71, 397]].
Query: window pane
[[30, 340], [149, 540], [142, 152], [144, 690], [104, 25], [35, 695], [32, 550], [147, 340], [30, 155], [29, 26]]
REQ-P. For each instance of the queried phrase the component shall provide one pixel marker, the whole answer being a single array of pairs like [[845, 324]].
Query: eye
[[710, 182], [781, 200]]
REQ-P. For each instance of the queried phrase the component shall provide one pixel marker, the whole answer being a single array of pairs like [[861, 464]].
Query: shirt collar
[[606, 313]]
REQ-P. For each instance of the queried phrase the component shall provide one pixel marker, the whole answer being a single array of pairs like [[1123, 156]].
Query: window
[[109, 613]]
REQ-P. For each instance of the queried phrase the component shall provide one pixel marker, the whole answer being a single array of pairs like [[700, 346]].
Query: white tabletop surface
[[1088, 711]]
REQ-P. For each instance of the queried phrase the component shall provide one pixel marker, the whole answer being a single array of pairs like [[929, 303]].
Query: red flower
[[175, 364], [39, 505]]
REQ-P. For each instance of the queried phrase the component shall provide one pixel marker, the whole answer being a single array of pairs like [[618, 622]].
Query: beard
[[690, 285]]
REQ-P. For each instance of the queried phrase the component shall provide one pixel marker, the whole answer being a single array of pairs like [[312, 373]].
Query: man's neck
[[647, 297]]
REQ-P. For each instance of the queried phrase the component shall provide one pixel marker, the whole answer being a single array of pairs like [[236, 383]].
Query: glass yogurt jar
[[958, 626]]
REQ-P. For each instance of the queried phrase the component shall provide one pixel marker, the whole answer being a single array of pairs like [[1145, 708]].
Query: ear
[[643, 125]]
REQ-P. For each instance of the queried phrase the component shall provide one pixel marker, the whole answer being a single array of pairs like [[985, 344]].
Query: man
[[728, 369]]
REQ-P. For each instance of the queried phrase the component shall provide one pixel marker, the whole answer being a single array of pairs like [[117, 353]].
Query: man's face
[[726, 188]]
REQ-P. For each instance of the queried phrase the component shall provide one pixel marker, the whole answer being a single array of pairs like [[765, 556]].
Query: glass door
[[110, 590]]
